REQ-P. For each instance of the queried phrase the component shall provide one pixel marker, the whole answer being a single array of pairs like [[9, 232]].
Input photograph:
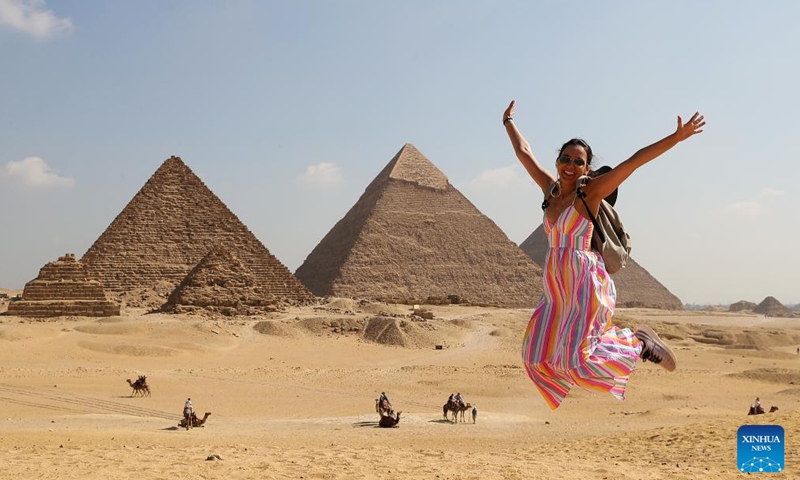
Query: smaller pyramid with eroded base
[[220, 283], [63, 289]]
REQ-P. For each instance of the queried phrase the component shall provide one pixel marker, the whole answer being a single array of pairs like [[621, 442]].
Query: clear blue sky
[[288, 109]]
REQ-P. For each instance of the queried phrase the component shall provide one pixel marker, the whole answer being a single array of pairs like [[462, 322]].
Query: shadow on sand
[[365, 424], [441, 420]]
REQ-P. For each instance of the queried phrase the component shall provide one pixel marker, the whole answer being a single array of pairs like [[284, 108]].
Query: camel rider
[[188, 410], [450, 399], [385, 399], [459, 400]]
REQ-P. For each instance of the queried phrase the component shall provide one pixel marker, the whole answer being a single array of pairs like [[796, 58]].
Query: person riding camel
[[188, 411], [385, 403], [459, 400]]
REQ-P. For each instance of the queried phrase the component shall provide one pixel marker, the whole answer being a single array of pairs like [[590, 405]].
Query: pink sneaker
[[654, 349]]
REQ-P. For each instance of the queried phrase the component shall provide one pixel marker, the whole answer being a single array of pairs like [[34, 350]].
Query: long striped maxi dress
[[570, 339]]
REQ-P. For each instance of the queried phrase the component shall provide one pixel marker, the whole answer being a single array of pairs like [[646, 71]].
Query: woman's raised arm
[[522, 149], [603, 185]]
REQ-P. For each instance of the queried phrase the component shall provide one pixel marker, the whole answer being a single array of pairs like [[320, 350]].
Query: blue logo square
[[760, 448]]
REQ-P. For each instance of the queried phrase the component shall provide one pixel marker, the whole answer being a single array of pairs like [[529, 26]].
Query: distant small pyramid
[[636, 288], [741, 305], [220, 283], [413, 237], [63, 289], [771, 307], [168, 227]]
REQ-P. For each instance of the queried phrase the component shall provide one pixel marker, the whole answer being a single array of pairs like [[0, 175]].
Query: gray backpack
[[610, 237]]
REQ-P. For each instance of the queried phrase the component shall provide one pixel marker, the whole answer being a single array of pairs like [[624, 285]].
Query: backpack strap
[[597, 227]]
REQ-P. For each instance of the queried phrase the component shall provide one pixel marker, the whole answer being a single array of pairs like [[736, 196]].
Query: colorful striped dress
[[570, 339]]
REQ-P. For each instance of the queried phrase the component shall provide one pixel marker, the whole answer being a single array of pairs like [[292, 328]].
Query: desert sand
[[292, 395]]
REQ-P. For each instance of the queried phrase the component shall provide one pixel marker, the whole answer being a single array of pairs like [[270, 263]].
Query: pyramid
[[168, 227], [635, 286], [63, 289], [413, 237], [741, 305], [220, 282], [770, 307]]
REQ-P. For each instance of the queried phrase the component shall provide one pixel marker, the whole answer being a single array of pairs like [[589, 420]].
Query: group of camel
[[142, 389], [759, 410], [458, 410], [388, 417]]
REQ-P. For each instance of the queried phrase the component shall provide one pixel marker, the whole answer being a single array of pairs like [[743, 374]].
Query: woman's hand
[[684, 131], [509, 111]]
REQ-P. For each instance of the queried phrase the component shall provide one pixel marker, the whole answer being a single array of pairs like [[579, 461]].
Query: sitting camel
[[759, 410], [196, 422], [140, 386], [389, 421]]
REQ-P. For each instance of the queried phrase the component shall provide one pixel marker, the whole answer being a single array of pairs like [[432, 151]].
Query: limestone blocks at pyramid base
[[79, 308], [436, 300], [224, 310], [222, 301]]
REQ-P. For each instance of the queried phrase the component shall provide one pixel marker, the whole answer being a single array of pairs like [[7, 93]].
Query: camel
[[462, 409], [196, 422], [389, 421], [140, 386], [760, 410], [447, 407], [456, 408]]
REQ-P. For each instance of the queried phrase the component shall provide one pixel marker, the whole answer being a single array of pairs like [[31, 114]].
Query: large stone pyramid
[[168, 227], [635, 286], [412, 236], [63, 289]]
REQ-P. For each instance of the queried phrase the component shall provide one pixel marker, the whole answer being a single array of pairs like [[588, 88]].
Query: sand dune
[[292, 395]]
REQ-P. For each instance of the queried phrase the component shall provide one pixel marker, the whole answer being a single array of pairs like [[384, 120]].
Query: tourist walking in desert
[[570, 339]]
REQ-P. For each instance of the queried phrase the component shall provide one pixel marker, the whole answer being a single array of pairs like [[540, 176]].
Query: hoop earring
[[557, 189]]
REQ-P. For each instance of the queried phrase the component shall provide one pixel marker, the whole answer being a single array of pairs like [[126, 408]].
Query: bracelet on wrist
[[507, 119]]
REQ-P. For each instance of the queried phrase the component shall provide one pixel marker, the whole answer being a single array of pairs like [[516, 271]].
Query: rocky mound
[[400, 332], [383, 330], [771, 375], [275, 328]]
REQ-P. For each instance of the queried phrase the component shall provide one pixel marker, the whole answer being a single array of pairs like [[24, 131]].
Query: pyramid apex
[[411, 165]]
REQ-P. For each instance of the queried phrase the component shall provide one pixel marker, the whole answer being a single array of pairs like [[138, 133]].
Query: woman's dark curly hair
[[579, 142]]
